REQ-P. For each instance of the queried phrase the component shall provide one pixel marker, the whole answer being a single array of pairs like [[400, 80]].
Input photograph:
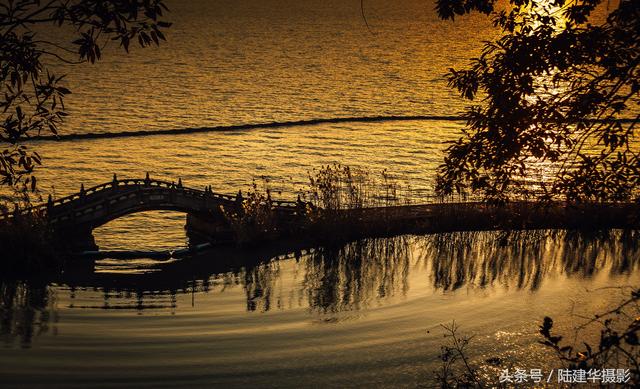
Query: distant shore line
[[252, 126], [237, 127]]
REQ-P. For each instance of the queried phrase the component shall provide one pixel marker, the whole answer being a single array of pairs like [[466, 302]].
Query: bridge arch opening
[[148, 230]]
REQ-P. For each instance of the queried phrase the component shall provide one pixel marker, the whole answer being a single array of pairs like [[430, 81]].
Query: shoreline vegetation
[[28, 246], [342, 204], [338, 204]]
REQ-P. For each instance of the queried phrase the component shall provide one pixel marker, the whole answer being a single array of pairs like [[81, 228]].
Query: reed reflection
[[27, 310], [354, 275], [331, 279], [327, 281], [523, 258], [260, 285]]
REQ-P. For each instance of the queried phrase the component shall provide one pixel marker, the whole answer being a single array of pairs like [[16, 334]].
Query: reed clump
[[253, 218], [327, 207], [340, 203], [338, 194], [339, 187]]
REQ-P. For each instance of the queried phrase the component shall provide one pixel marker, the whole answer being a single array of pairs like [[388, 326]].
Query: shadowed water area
[[360, 314], [366, 313]]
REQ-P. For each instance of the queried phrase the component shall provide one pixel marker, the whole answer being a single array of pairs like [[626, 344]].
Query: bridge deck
[[88, 209], [118, 189]]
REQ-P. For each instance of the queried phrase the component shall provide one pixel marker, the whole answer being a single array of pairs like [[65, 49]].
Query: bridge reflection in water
[[333, 283]]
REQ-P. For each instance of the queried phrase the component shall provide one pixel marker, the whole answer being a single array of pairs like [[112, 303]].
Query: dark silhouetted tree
[[31, 96], [558, 96]]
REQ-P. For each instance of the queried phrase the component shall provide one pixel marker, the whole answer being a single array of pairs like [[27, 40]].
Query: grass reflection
[[26, 311], [524, 258], [330, 281], [350, 277]]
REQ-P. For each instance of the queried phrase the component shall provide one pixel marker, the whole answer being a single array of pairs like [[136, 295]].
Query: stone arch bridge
[[73, 218]]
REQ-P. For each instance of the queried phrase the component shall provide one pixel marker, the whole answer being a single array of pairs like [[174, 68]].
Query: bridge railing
[[122, 184]]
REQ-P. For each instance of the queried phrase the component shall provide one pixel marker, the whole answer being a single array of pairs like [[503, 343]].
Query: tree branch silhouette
[[556, 95], [31, 95]]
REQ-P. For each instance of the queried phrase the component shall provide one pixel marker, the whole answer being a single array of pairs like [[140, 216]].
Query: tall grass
[[330, 190], [338, 187], [253, 218], [26, 241]]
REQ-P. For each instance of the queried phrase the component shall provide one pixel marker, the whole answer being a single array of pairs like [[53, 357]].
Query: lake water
[[367, 314], [230, 63], [361, 315]]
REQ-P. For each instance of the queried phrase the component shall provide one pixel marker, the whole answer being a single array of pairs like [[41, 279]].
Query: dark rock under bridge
[[73, 218]]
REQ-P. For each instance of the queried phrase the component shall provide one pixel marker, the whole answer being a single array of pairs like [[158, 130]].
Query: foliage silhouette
[[616, 350], [32, 96], [618, 344], [559, 93]]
